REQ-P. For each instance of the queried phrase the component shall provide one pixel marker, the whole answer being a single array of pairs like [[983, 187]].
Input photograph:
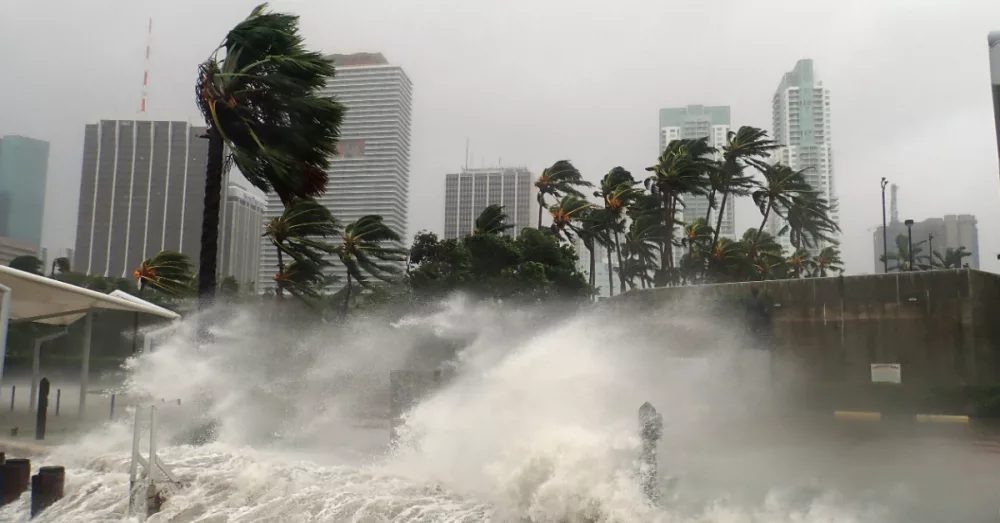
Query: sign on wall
[[887, 373]]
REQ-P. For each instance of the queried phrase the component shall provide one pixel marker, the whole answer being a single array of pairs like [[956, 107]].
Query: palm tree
[[27, 263], [569, 209], [300, 233], [168, 272], [618, 191], [594, 227], [952, 258], [828, 259], [61, 264], [902, 255], [492, 221], [562, 179], [698, 241], [363, 253], [301, 278], [748, 146], [781, 185], [683, 168], [258, 93], [640, 250], [762, 255], [809, 222], [800, 262]]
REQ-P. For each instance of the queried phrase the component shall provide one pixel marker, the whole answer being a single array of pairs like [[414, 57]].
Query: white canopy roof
[[45, 300]]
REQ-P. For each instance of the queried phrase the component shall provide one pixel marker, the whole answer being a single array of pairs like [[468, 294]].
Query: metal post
[[4, 322], [88, 330], [36, 362], [885, 232], [58, 399], [133, 468], [909, 236], [930, 246]]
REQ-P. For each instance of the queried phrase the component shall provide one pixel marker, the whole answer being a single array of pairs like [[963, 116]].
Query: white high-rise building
[[801, 125], [371, 175], [693, 122], [239, 236], [467, 193]]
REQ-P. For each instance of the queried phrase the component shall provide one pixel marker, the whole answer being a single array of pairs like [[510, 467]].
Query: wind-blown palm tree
[[781, 185], [594, 227], [618, 190], [562, 179], [952, 258], [683, 168], [698, 241], [301, 232], [259, 94], [61, 264], [168, 272], [746, 147], [364, 252], [302, 278], [492, 221], [569, 209], [641, 248], [800, 262], [902, 255], [27, 263], [828, 259], [809, 222]]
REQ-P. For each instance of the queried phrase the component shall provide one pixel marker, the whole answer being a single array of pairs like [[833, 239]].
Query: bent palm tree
[[168, 272], [618, 191], [363, 253], [828, 259], [259, 95], [781, 185], [61, 264], [492, 221], [300, 232], [748, 146], [902, 255], [301, 278], [952, 258], [570, 209], [562, 179]]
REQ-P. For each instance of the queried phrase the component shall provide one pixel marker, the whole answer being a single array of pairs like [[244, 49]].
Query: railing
[[150, 467]]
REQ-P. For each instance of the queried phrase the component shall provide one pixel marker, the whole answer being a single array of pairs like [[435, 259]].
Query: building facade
[[142, 191], [239, 236], [371, 174], [467, 193], [24, 165], [933, 235], [699, 121], [10, 249], [800, 111]]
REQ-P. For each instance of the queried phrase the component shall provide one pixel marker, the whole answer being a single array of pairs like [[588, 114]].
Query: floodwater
[[538, 424]]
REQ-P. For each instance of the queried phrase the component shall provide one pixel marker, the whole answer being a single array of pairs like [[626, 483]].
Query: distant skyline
[[24, 167], [882, 60]]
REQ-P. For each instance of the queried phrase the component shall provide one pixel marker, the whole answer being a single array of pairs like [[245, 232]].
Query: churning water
[[537, 424]]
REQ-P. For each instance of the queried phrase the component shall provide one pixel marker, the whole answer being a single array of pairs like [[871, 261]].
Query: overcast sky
[[534, 81]]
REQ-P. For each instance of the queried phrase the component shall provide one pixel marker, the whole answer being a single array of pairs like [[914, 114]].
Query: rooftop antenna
[[466, 153], [145, 72], [893, 209]]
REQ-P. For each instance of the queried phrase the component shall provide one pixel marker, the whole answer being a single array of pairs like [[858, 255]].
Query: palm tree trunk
[[279, 291], [711, 205], [347, 295], [621, 264], [541, 205], [760, 230], [718, 222], [208, 260], [611, 274], [592, 277]]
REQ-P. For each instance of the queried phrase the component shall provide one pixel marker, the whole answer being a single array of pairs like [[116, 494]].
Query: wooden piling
[[650, 430], [43, 408], [47, 487], [15, 475]]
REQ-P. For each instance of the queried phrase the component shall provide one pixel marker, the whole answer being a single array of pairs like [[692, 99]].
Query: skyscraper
[[467, 193], [239, 236], [24, 164], [994, 42], [800, 112], [371, 175], [692, 122], [142, 190]]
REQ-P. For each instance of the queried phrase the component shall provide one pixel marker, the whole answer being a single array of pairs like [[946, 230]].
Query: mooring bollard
[[46, 488], [650, 430], [112, 415], [13, 391], [43, 408], [15, 474], [58, 397]]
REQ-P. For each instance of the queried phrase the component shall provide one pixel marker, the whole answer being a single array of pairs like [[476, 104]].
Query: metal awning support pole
[[36, 363], [88, 330], [4, 321]]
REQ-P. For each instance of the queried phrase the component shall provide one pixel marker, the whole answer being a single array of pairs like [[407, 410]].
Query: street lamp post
[[909, 236], [930, 247], [885, 241]]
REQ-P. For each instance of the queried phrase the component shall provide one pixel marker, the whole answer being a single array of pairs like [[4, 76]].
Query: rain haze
[[532, 82]]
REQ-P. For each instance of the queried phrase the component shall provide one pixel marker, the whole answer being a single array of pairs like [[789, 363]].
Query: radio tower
[[145, 72]]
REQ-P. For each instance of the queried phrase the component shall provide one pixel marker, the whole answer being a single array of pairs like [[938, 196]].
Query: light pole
[[930, 246], [885, 241], [909, 236]]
